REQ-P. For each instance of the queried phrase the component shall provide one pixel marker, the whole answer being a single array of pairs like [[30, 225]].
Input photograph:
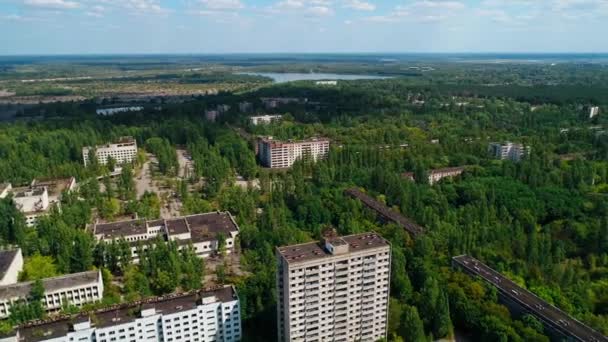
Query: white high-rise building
[[122, 151], [282, 154], [593, 111], [334, 290], [509, 150], [199, 316]]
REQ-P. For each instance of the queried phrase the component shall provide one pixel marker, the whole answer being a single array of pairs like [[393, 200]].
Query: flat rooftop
[[206, 227], [314, 250], [6, 259], [28, 192], [271, 140], [121, 314], [121, 229], [55, 186], [23, 289], [202, 227], [549, 314]]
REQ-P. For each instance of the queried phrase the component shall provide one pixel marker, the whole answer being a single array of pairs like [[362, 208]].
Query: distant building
[[112, 111], [334, 290], [274, 102], [282, 154], [122, 151], [509, 151], [245, 107], [593, 112], [223, 108], [264, 119], [211, 115], [77, 289], [11, 263], [438, 174], [203, 316], [200, 230], [327, 82]]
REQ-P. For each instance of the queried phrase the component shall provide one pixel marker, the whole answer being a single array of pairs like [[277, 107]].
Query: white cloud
[[319, 11], [359, 5], [52, 4], [289, 4], [222, 4]]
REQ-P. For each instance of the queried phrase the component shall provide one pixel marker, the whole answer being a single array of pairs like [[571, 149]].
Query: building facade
[[511, 151], [199, 316], [122, 151], [77, 289], [11, 263], [593, 112], [334, 290], [436, 175], [201, 230], [264, 119], [282, 154]]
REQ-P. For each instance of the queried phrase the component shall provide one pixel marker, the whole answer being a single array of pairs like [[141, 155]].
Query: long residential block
[[385, 212], [201, 230], [199, 316], [334, 290], [522, 301], [76, 289], [122, 151], [282, 154]]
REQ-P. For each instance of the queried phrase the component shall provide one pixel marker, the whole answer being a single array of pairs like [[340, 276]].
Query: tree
[[38, 267], [412, 328], [12, 222]]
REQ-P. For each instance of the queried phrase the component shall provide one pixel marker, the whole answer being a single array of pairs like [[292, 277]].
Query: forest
[[543, 222]]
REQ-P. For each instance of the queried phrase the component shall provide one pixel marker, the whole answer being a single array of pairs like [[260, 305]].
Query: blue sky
[[222, 26]]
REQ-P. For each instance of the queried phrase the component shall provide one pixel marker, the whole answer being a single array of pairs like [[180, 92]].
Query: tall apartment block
[[334, 290], [199, 316], [282, 154], [509, 151], [122, 151]]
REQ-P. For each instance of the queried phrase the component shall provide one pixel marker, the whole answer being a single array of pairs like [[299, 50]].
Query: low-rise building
[[436, 175], [201, 230], [32, 202], [201, 316], [274, 102], [122, 151], [334, 290], [509, 150], [327, 83], [264, 119], [76, 289], [282, 154], [11, 264], [39, 197]]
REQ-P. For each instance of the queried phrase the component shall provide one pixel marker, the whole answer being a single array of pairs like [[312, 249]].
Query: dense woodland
[[543, 221]]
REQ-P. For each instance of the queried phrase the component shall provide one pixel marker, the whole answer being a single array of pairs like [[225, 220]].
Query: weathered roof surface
[[177, 226], [313, 250], [22, 290], [549, 314], [55, 186], [205, 227], [121, 228], [6, 259], [121, 314]]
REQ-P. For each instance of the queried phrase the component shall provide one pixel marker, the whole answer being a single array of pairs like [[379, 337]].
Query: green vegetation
[[543, 221]]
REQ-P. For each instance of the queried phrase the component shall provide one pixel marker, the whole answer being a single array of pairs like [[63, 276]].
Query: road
[[145, 181]]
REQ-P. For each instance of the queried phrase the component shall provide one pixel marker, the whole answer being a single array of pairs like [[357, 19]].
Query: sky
[[46, 27]]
